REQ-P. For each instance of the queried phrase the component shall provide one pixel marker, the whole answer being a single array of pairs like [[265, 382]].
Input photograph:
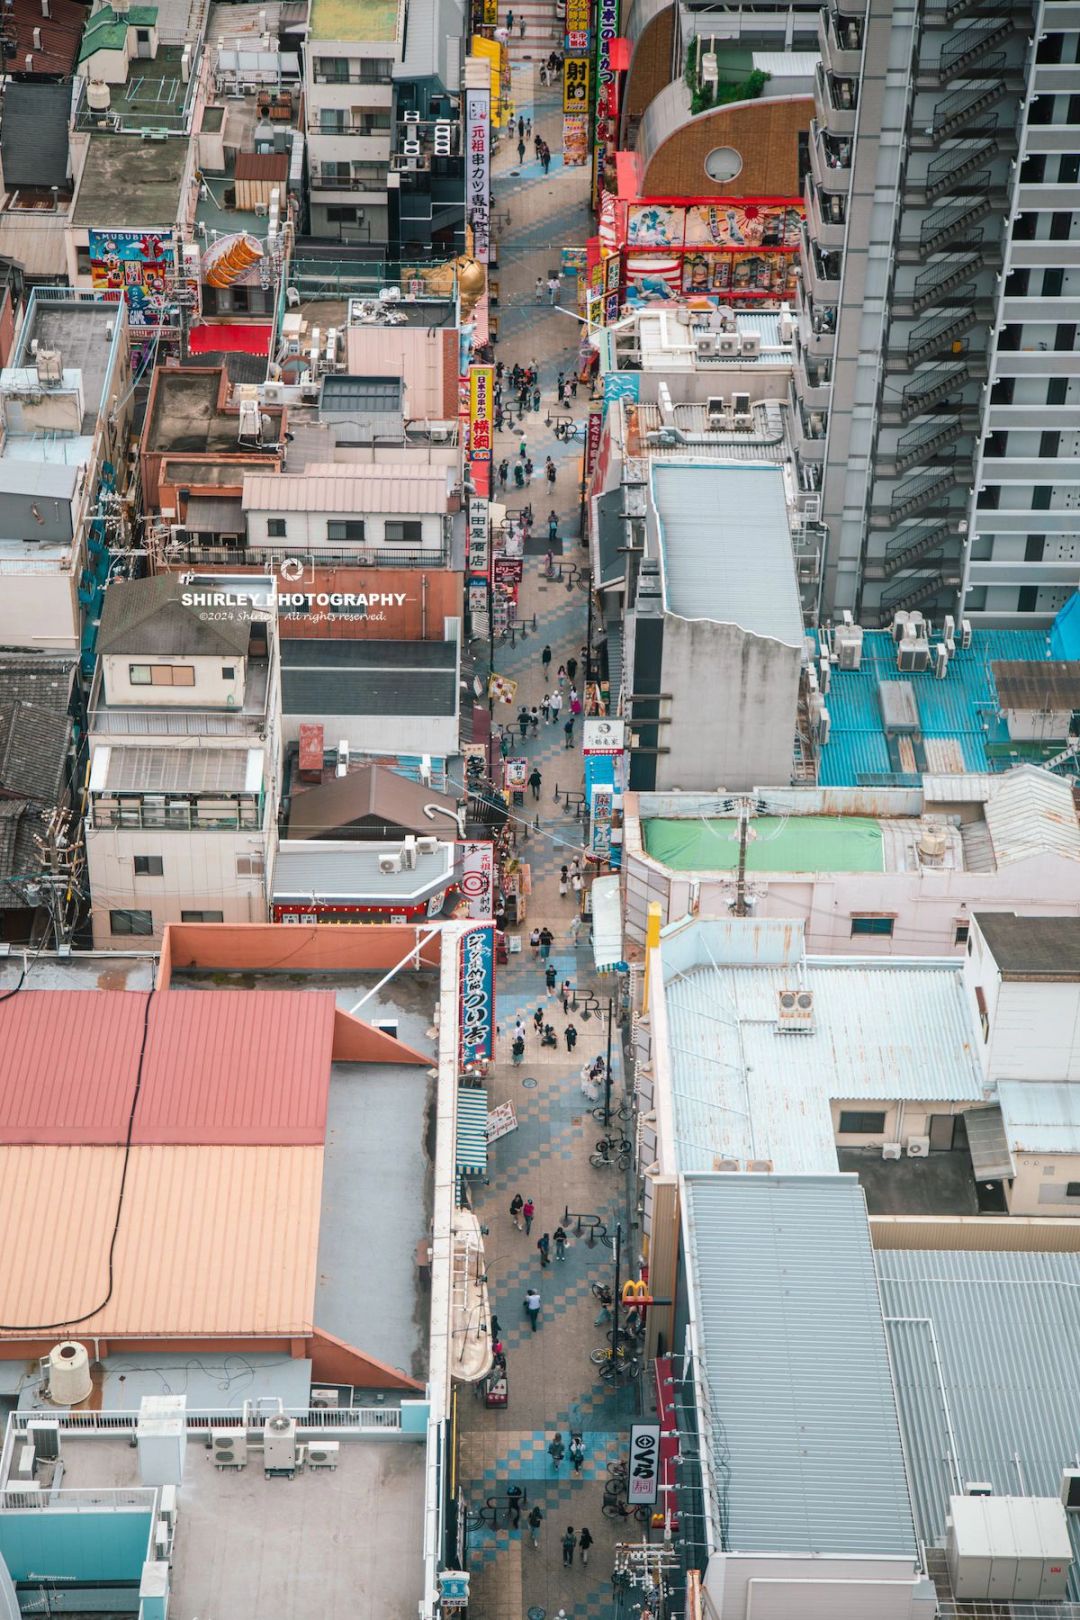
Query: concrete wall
[[1041, 1184], [734, 698], [819, 1588], [309, 529], [38, 605], [307, 948], [211, 689], [382, 733], [1033, 1027], [198, 874]]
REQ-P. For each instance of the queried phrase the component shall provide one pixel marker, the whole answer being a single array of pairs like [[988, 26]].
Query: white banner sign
[[603, 737], [644, 1464], [477, 879], [479, 546], [477, 175]]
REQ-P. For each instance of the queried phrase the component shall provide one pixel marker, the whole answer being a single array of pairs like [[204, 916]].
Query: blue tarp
[[1065, 635]]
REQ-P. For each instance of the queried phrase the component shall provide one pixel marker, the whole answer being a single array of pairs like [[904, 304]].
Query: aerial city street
[[540, 810]]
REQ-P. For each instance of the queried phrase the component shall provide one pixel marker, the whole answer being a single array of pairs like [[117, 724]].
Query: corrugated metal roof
[[350, 871], [161, 770], [806, 1442], [328, 489], [1040, 1116], [988, 1144], [737, 568], [226, 1067], [212, 1240], [1032, 812], [1003, 1367], [961, 709], [741, 1090], [471, 1142]]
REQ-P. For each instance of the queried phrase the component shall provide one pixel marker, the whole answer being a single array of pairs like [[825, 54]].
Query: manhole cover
[[530, 1082], [536, 1614]]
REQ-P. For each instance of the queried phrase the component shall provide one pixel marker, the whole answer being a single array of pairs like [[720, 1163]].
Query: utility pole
[[615, 1338], [57, 884], [607, 1066], [744, 836]]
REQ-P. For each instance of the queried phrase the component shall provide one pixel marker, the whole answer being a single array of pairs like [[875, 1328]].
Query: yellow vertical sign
[[575, 84]]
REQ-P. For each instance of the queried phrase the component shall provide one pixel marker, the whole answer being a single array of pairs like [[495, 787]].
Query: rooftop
[[177, 770], [690, 437], [231, 1069], [369, 677], [959, 724], [129, 183], [79, 328], [359, 22], [785, 1371], [665, 340], [725, 545], [776, 844], [1039, 948], [239, 1531], [347, 870], [1043, 685], [986, 1349], [335, 488], [153, 617], [370, 793], [743, 1090], [1040, 1116], [34, 137], [60, 33], [105, 31], [186, 417]]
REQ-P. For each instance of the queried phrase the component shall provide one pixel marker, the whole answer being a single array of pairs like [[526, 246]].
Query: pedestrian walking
[[521, 159], [550, 977], [523, 723], [571, 1037], [495, 1327], [549, 468], [534, 941], [521, 129], [553, 289], [568, 733], [575, 882], [509, 19], [535, 780], [561, 676], [559, 1237], [545, 706], [519, 1027], [513, 1506], [553, 526], [566, 995], [517, 1050], [577, 1453], [556, 1451], [585, 1541], [528, 470], [559, 383], [543, 1245], [545, 158], [547, 940], [521, 29], [564, 888], [532, 1307], [571, 668], [556, 704], [545, 659], [538, 1020], [523, 448], [534, 720], [573, 385], [536, 1519], [528, 126], [517, 1203], [528, 1209], [575, 707], [569, 1542], [504, 472], [537, 144]]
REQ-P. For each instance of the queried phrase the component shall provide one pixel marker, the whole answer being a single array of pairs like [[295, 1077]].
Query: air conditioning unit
[[891, 1150], [45, 1438], [795, 1012], [412, 117], [751, 345], [941, 661], [849, 646], [715, 413], [261, 210], [392, 862], [162, 1541], [273, 393], [824, 726], [279, 1443], [228, 1448], [325, 1398], [705, 345], [25, 1463], [913, 654], [168, 1505], [411, 149], [740, 410], [725, 1164], [444, 139], [965, 634], [918, 1147], [409, 851], [759, 1167], [323, 1453], [427, 846], [1070, 1489], [727, 343]]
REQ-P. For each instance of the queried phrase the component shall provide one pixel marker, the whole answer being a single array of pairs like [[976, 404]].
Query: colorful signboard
[[607, 91], [509, 570], [644, 1464], [476, 995], [577, 16], [592, 443], [478, 878], [137, 263], [575, 84], [479, 544], [729, 223], [575, 139], [477, 172], [481, 391]]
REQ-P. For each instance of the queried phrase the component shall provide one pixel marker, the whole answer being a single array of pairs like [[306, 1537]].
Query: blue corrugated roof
[[962, 708], [1065, 635]]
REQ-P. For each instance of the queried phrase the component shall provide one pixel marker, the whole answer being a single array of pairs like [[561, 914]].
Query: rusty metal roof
[[223, 1067], [212, 1241]]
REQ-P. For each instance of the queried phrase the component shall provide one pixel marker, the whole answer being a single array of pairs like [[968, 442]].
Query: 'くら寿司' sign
[[476, 996]]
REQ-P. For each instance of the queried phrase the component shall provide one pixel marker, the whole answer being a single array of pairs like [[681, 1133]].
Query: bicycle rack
[[586, 1223], [590, 1006]]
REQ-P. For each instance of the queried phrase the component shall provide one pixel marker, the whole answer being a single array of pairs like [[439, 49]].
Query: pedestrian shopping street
[[553, 1387]]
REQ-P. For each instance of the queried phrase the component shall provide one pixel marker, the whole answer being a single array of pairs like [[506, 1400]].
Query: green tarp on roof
[[107, 32], [777, 844]]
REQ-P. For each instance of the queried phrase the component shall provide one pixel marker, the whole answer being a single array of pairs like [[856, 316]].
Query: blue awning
[[472, 1113]]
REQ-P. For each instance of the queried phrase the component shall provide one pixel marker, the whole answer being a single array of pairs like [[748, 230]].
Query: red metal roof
[[222, 1067], [230, 337]]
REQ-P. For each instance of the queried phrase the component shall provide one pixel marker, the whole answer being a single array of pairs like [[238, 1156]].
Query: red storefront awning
[[619, 55], [230, 338]]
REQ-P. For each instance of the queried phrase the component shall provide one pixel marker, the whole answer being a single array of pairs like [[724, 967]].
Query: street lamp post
[[607, 1065]]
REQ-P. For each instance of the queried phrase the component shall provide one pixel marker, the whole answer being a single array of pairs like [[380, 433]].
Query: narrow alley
[[554, 1389]]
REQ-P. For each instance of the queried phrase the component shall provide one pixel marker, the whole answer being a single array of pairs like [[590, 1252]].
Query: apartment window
[[1052, 283], [988, 498], [960, 937], [275, 528], [1060, 226], [1049, 444], [228, 672], [1065, 337], [1034, 547], [1016, 283], [202, 916], [332, 120], [1002, 391], [1009, 338], [83, 267], [411, 532], [161, 674], [854, 1122], [376, 69], [1072, 115], [1049, 49], [997, 443], [1072, 1189], [872, 925], [1027, 599], [1041, 110], [341, 216], [250, 866], [1041, 496], [1033, 168], [1069, 169], [332, 69], [131, 922], [1057, 391], [149, 866], [345, 529], [984, 1016]]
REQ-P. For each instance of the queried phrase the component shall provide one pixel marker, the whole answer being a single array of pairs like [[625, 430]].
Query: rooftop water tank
[[69, 1374]]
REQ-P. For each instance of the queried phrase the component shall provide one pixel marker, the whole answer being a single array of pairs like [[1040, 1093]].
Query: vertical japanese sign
[[481, 389], [644, 1460], [592, 443], [476, 995], [479, 548], [575, 84], [607, 91], [577, 25], [478, 177], [478, 878]]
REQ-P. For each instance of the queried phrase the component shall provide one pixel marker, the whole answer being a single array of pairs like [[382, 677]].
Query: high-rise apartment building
[[937, 370]]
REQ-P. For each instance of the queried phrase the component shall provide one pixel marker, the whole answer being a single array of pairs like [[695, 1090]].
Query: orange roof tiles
[[213, 1241], [222, 1067]]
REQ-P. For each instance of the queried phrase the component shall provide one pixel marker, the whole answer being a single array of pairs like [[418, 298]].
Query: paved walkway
[[553, 1387]]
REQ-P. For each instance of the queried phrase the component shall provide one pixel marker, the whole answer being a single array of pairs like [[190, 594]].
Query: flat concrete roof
[[130, 184], [353, 21]]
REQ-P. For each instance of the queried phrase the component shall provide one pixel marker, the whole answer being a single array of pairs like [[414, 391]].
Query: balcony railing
[[272, 557], [175, 815]]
